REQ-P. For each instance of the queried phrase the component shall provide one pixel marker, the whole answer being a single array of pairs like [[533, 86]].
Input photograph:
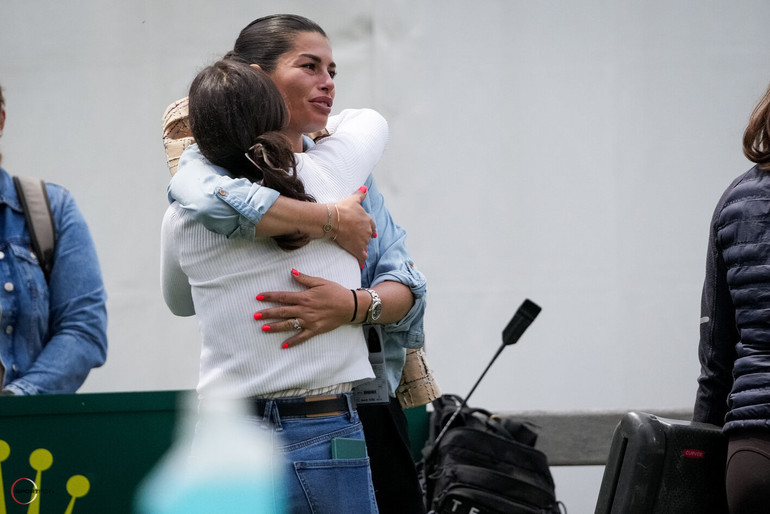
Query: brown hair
[[236, 115], [756, 139]]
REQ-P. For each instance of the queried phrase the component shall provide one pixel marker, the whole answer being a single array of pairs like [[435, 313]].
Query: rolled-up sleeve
[[389, 260], [227, 206]]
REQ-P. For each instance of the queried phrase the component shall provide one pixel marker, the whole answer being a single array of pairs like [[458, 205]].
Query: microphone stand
[[465, 401], [521, 320]]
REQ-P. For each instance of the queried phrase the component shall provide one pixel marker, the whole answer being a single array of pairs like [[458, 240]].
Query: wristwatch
[[375, 309]]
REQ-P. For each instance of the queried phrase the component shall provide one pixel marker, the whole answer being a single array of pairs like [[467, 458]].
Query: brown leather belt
[[307, 407]]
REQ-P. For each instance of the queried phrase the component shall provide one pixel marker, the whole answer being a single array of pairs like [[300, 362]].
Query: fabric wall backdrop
[[570, 153]]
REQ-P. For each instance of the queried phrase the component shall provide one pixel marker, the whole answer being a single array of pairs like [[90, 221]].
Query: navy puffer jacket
[[734, 350]]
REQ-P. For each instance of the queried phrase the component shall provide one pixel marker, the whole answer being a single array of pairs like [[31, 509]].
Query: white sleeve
[[356, 145], [174, 283]]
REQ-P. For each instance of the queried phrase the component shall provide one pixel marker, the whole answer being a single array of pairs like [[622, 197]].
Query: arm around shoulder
[[225, 205]]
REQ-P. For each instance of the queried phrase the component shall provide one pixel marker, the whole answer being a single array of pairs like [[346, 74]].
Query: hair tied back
[[258, 153]]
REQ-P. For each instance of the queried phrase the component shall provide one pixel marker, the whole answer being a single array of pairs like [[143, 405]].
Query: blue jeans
[[315, 482]]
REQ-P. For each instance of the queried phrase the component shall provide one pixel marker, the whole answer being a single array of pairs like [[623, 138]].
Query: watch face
[[376, 311]]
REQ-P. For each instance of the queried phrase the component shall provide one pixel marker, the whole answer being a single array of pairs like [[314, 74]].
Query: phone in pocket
[[347, 448]]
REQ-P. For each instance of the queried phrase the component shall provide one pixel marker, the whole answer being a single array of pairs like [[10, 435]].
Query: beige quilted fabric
[[176, 132]]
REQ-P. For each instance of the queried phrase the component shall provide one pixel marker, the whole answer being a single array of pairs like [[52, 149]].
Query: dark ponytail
[[756, 139], [235, 110], [272, 156]]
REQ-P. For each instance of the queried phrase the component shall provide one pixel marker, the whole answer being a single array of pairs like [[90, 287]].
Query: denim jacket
[[51, 334], [235, 206]]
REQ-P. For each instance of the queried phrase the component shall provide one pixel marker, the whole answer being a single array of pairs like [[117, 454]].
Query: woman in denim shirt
[[237, 208], [51, 334], [239, 120]]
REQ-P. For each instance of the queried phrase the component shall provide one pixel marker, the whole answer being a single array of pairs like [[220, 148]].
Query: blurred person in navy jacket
[[734, 350]]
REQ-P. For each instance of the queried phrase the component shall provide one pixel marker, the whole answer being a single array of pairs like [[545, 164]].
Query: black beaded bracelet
[[355, 306]]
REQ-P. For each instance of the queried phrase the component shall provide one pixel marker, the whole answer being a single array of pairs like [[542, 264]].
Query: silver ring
[[295, 324]]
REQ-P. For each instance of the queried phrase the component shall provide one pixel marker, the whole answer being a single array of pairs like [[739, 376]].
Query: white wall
[[567, 152]]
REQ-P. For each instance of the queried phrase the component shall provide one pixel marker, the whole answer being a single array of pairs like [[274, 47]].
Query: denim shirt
[[51, 334], [234, 207]]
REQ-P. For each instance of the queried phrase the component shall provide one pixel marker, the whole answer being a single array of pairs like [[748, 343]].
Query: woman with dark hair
[[238, 119], [296, 54], [734, 351]]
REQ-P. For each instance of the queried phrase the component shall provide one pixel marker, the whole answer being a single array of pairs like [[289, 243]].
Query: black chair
[[664, 466]]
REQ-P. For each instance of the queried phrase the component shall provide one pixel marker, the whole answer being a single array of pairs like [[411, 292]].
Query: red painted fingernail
[[294, 272], [257, 315], [375, 234], [285, 345], [362, 189], [362, 267], [265, 328], [260, 297]]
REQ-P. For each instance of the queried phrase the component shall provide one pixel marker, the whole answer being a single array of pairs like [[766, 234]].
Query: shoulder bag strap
[[37, 212]]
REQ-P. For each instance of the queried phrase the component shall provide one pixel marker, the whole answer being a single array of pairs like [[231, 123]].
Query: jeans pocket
[[337, 486]]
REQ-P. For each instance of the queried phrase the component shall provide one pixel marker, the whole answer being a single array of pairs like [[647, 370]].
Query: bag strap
[[37, 212]]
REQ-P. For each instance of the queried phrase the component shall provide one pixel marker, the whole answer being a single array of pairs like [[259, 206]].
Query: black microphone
[[521, 320]]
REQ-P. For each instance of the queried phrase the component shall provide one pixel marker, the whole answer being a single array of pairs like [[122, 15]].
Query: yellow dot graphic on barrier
[[78, 486], [5, 452], [40, 460]]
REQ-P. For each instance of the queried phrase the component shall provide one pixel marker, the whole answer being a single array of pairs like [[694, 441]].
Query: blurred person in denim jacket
[[51, 332]]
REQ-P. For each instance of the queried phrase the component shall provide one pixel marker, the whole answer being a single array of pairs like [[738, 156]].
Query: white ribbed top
[[221, 277]]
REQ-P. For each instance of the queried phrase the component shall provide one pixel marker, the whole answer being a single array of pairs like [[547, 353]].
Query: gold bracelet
[[328, 226], [338, 222]]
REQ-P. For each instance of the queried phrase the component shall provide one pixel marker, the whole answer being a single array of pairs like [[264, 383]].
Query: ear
[[257, 66], [2, 120]]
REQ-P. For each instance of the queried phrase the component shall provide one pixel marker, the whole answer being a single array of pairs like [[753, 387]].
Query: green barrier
[[80, 453], [87, 453]]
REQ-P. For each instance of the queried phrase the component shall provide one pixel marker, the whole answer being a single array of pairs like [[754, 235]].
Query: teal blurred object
[[220, 461]]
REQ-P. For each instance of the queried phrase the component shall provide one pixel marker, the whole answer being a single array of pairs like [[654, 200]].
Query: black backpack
[[37, 212], [484, 464]]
